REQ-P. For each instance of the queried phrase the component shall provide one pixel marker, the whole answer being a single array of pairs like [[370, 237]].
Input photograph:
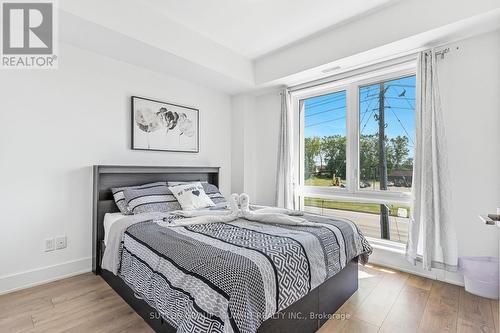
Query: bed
[[270, 278]]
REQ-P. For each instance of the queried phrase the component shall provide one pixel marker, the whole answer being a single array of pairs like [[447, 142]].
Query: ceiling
[[237, 46], [253, 28]]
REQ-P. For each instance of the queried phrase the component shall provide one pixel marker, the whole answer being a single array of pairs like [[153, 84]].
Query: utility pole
[[384, 212]]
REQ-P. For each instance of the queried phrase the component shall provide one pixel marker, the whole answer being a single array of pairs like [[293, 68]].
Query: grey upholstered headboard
[[108, 176]]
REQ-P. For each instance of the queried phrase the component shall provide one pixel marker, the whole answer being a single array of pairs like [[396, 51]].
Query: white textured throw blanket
[[264, 215], [111, 257]]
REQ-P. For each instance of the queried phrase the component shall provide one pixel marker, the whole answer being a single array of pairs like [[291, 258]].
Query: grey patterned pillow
[[213, 193], [118, 195], [152, 199], [211, 190]]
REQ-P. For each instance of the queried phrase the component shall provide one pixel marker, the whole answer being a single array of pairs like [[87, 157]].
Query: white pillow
[[191, 196]]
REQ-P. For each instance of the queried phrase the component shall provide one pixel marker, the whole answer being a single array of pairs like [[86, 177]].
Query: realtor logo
[[28, 35]]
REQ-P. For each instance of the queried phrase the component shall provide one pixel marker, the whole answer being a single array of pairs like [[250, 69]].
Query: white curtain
[[284, 196], [432, 238]]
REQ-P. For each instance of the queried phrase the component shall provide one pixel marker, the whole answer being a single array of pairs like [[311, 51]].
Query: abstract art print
[[164, 126]]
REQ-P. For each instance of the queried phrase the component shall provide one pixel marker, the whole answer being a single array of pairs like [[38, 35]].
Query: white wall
[[261, 141], [55, 124], [470, 86], [255, 145], [243, 134], [267, 113]]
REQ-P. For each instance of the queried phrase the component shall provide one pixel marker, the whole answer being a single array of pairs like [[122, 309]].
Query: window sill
[[388, 246], [378, 197]]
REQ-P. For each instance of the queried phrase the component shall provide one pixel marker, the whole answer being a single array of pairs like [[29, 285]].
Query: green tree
[[396, 152], [334, 150], [407, 164], [331, 150], [368, 156], [312, 147], [399, 151]]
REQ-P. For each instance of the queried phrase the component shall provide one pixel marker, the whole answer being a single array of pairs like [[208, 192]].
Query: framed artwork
[[164, 126]]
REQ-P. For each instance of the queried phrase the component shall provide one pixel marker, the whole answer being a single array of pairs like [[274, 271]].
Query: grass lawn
[[313, 181], [351, 206]]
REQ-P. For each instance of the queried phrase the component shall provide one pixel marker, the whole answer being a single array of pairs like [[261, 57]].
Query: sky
[[326, 115]]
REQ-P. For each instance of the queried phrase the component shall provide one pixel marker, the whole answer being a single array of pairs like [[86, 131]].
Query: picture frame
[[164, 126]]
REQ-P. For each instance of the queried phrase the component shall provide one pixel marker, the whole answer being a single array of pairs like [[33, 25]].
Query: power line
[[326, 101], [324, 111], [388, 106], [407, 100], [412, 108], [368, 106], [400, 108], [390, 97], [368, 90], [325, 121], [332, 96], [366, 110], [401, 123], [367, 120], [329, 121], [402, 85], [308, 107]]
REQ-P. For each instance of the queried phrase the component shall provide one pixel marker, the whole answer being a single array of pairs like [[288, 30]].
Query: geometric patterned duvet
[[231, 277]]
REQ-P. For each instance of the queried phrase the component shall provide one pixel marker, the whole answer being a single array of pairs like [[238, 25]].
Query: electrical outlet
[[60, 242], [49, 244]]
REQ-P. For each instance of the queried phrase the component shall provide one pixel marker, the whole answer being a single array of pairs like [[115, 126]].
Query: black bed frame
[[305, 315]]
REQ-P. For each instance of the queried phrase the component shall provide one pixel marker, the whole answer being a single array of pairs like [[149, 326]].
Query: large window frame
[[351, 84]]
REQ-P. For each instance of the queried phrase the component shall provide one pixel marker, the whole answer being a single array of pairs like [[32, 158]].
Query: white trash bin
[[481, 275]]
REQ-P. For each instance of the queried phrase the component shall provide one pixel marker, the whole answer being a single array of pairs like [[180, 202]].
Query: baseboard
[[35, 277], [398, 261]]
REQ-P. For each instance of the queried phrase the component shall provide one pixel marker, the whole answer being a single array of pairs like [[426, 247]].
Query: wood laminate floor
[[387, 301]]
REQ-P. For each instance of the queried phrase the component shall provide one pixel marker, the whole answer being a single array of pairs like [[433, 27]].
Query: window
[[366, 216], [386, 135], [325, 141], [356, 148]]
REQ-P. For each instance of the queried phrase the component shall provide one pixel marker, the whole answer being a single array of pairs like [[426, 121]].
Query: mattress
[[109, 219]]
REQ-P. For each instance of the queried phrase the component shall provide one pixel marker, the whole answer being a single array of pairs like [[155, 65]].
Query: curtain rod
[[442, 52], [406, 58]]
